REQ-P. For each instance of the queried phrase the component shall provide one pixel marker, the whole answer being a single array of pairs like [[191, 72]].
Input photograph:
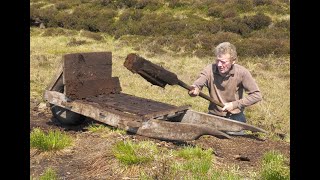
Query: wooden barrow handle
[[201, 94]]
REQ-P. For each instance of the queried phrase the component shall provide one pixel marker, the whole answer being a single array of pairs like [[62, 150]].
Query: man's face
[[224, 63]]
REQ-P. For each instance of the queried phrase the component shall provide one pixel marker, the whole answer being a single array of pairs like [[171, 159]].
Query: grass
[[271, 73], [97, 128], [224, 175], [195, 160], [49, 174], [274, 167], [129, 153], [187, 163], [104, 129], [51, 141], [273, 77]]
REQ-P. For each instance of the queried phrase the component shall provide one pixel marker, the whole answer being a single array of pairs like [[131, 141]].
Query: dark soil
[[90, 158]]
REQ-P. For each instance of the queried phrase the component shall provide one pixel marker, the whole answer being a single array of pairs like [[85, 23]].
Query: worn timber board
[[145, 108], [56, 80], [124, 105], [87, 66], [88, 88], [89, 74], [154, 128]]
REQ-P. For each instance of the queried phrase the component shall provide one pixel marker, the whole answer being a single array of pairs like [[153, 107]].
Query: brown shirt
[[229, 88]]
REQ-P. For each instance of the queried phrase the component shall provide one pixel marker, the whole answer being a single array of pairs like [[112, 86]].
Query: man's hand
[[194, 91], [228, 107]]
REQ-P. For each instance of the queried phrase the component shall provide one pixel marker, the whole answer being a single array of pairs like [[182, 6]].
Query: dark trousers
[[237, 117]]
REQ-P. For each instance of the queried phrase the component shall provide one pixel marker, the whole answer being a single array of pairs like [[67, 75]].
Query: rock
[[240, 157]]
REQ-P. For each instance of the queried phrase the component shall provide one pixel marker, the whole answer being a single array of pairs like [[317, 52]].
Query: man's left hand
[[228, 106]]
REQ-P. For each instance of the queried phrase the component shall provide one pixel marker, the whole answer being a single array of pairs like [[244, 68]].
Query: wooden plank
[[56, 80], [94, 110], [217, 122], [87, 66], [177, 131], [90, 58], [166, 113], [88, 88], [133, 104], [153, 128], [89, 74]]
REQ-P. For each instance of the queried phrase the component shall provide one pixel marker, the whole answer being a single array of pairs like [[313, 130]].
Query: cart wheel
[[65, 116]]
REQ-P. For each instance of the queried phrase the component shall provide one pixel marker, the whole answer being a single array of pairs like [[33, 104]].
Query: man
[[226, 82]]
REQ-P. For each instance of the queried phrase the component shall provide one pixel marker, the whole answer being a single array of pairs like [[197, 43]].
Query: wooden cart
[[84, 87]]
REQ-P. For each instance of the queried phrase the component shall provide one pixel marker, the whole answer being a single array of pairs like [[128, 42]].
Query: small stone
[[241, 158]]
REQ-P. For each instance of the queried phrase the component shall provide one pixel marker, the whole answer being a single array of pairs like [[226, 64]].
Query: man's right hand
[[194, 91]]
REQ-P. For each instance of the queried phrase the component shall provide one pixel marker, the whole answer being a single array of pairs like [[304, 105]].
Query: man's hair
[[226, 48]]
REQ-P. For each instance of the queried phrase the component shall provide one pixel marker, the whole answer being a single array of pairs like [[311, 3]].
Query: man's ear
[[233, 62]]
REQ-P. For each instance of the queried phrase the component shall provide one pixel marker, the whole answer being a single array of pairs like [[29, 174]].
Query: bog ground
[[91, 157]]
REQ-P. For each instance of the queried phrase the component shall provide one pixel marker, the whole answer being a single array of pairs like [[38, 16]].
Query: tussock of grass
[[274, 167], [101, 128], [195, 152], [224, 175], [49, 174], [129, 153], [98, 128], [195, 161], [51, 141]]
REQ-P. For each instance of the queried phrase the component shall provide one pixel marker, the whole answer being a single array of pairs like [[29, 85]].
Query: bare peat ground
[[91, 157]]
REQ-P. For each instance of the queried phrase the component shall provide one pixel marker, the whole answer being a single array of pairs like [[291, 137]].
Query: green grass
[[195, 161], [49, 174], [273, 77], [189, 152], [274, 167], [52, 141], [224, 175], [129, 152], [271, 73], [101, 128], [98, 128]]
